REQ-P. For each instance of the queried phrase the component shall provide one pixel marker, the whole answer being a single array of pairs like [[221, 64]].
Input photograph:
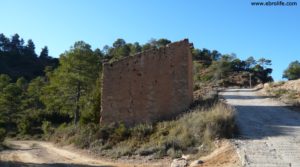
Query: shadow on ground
[[257, 118], [256, 122], [245, 97], [241, 90]]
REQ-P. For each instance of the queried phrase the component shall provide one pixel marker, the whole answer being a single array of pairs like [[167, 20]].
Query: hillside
[[19, 59], [63, 104], [212, 68], [288, 91]]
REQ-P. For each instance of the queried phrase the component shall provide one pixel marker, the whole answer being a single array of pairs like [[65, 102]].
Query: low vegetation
[[284, 91], [192, 133], [287, 91], [2, 137]]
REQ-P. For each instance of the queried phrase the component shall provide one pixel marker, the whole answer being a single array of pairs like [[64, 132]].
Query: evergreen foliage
[[293, 71], [20, 60], [39, 94]]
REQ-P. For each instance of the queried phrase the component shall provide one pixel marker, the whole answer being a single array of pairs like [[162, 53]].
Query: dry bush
[[198, 127], [193, 129]]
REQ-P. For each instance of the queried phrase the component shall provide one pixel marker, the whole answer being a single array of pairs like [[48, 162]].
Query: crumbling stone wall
[[150, 86]]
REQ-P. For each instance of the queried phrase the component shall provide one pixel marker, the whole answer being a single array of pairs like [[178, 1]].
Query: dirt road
[[269, 132], [44, 154]]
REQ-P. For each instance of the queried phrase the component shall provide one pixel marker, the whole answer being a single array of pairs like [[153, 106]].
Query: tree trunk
[[77, 110]]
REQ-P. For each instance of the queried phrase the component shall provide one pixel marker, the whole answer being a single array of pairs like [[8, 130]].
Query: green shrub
[[279, 92], [47, 128], [141, 131], [122, 149], [174, 153], [105, 132], [24, 126], [85, 135], [292, 94], [2, 135], [280, 83], [120, 132], [145, 150]]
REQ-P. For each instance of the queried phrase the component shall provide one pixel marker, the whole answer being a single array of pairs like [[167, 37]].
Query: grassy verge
[[192, 133]]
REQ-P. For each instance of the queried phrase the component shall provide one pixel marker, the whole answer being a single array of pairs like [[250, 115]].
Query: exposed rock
[[180, 162], [185, 156]]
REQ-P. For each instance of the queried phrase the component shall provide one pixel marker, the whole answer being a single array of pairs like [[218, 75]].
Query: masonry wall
[[150, 86]]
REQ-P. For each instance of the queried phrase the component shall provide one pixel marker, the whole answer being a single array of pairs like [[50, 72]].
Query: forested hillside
[[46, 97], [19, 59], [216, 69], [41, 91]]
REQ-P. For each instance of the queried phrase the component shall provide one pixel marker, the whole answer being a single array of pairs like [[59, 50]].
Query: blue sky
[[229, 26]]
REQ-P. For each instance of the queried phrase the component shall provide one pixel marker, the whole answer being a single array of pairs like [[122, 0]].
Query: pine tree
[[73, 80], [44, 53], [30, 47]]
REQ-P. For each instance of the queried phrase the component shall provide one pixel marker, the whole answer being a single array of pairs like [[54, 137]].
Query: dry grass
[[288, 96], [192, 133]]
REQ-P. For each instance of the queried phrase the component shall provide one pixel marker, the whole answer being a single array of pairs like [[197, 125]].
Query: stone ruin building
[[150, 86]]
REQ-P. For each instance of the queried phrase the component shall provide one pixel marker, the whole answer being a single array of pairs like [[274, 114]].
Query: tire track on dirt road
[[45, 154]]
